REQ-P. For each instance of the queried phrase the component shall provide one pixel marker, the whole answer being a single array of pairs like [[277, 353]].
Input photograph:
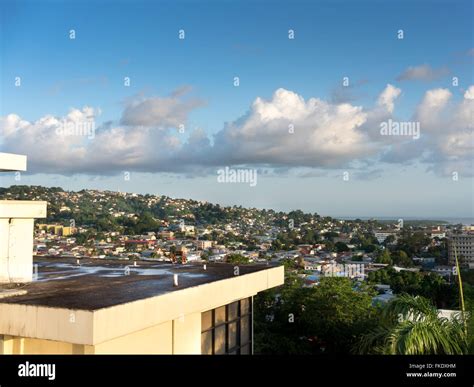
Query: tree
[[411, 326], [236, 258], [413, 243], [428, 285], [400, 258], [389, 240], [384, 257], [341, 247], [329, 318]]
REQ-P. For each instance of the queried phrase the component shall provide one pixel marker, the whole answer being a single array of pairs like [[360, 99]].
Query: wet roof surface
[[98, 283]]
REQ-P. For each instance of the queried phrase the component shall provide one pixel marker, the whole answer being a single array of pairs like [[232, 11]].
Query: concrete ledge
[[11, 162], [22, 209], [69, 326], [11, 293]]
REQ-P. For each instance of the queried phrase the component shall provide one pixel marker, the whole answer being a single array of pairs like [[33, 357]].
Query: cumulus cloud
[[447, 136], [145, 139], [432, 105], [422, 72], [469, 94], [287, 130], [161, 112], [388, 96], [284, 132], [381, 112]]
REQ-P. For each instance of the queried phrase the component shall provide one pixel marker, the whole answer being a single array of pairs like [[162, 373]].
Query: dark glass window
[[219, 340], [232, 335], [206, 320], [233, 311], [245, 330], [245, 306], [227, 329], [206, 343], [219, 314]]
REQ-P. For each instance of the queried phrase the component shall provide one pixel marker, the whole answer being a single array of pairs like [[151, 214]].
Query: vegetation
[[410, 325], [237, 259], [429, 285], [330, 317]]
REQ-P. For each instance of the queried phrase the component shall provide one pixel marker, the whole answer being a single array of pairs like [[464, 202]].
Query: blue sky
[[249, 40]]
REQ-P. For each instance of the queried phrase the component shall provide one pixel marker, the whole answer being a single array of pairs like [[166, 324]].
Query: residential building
[[382, 235], [463, 245], [167, 235], [203, 244], [438, 232]]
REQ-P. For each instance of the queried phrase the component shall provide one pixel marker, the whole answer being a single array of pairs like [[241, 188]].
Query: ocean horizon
[[451, 220]]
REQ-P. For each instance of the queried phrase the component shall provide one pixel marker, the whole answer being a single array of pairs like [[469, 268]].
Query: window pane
[[206, 343], [232, 311], [244, 330], [219, 315], [232, 335], [206, 320], [244, 306], [219, 340], [245, 350]]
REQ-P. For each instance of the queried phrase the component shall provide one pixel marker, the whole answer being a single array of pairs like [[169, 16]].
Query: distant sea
[[466, 221]]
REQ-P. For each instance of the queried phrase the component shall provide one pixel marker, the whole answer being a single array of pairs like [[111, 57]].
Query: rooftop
[[99, 283]]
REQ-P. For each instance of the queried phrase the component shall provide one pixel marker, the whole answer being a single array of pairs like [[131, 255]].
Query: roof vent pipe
[[175, 280]]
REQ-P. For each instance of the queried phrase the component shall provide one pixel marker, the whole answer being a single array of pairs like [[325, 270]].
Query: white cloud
[[289, 131], [431, 107], [469, 94], [388, 96], [99, 150], [160, 112], [450, 128], [283, 132], [422, 73]]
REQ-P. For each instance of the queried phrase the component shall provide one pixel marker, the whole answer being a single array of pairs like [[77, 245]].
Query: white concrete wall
[[16, 250], [187, 335], [157, 340], [16, 239]]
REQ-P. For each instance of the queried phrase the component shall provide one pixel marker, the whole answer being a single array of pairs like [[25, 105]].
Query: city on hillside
[[380, 259]]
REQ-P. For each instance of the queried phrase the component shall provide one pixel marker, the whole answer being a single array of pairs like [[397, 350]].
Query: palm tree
[[411, 326]]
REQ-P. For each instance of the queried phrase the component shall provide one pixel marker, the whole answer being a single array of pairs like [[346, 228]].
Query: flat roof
[[102, 283]]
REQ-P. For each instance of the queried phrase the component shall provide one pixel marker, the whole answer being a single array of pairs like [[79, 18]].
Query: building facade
[[463, 244]]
